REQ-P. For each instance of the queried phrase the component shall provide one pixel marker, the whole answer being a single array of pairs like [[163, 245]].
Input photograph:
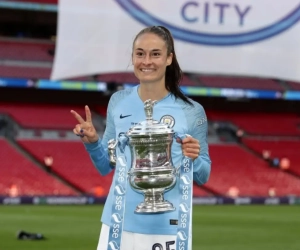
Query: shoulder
[[121, 93], [119, 96], [190, 109]]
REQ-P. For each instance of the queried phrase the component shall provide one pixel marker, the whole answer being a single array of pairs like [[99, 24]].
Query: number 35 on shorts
[[158, 246]]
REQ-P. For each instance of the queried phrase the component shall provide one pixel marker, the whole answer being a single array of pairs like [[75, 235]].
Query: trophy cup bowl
[[151, 172]]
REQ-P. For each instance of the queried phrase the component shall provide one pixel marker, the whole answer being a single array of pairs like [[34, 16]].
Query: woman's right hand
[[85, 129]]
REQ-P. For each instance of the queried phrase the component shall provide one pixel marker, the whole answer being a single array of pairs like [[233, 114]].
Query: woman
[[156, 67]]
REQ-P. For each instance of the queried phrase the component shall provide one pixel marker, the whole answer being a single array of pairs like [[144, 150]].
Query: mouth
[[147, 70]]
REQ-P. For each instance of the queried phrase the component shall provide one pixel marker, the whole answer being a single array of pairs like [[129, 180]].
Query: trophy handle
[[112, 144], [177, 171]]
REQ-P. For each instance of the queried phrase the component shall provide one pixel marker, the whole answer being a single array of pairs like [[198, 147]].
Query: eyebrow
[[151, 50]]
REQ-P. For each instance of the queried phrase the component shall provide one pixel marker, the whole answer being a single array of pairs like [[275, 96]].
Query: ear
[[170, 59]]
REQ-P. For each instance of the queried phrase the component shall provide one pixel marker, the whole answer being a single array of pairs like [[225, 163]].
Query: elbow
[[104, 167], [105, 171], [204, 179], [201, 179], [203, 175]]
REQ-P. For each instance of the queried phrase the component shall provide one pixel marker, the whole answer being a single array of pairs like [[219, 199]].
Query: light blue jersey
[[126, 109]]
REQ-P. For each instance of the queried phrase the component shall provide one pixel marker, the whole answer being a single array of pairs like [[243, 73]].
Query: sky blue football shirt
[[126, 109]]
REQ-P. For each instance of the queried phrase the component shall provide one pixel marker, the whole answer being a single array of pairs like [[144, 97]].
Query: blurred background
[[253, 135]]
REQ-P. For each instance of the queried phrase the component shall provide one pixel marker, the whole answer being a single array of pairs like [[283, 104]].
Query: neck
[[152, 91]]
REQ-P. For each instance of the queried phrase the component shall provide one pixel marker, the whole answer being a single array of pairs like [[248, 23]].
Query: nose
[[147, 60]]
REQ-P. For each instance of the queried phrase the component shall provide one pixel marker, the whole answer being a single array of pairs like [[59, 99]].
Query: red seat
[[260, 123], [25, 72], [233, 166], [17, 170], [240, 82], [42, 116], [278, 149], [71, 161], [26, 50]]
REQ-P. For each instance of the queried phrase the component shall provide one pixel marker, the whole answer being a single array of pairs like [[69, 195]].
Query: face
[[150, 58]]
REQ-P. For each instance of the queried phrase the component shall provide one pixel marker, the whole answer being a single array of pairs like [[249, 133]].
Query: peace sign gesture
[[85, 129]]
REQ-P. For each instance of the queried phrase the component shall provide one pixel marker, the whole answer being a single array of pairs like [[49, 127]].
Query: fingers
[[190, 147], [77, 117], [78, 130], [191, 151], [189, 139], [77, 133], [88, 114]]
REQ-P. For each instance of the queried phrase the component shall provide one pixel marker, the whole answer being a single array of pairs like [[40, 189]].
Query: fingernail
[[81, 130]]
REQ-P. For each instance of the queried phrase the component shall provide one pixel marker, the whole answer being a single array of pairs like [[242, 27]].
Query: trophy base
[[161, 207]]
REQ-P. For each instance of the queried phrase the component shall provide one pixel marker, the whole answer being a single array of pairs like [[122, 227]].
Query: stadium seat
[[71, 161], [235, 166], [240, 82], [26, 50], [16, 170], [42, 116], [278, 148], [260, 123]]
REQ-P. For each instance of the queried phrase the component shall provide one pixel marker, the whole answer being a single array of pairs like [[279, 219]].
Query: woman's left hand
[[190, 147]]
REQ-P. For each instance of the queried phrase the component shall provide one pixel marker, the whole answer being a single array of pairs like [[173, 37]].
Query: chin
[[150, 79], [147, 80]]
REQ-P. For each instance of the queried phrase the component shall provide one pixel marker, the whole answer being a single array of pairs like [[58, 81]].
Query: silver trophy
[[152, 172]]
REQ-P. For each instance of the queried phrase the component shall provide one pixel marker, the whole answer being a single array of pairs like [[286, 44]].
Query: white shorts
[[135, 241]]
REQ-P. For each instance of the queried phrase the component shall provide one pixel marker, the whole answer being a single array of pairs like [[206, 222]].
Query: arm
[[98, 151], [202, 164]]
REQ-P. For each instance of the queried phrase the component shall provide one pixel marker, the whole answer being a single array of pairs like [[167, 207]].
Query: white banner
[[229, 37]]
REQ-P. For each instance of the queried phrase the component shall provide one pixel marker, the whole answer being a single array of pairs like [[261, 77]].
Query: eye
[[139, 53], [156, 54]]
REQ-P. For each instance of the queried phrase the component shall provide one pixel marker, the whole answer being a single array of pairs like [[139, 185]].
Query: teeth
[[147, 70]]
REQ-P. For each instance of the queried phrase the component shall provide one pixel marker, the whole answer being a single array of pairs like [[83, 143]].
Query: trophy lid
[[149, 126]]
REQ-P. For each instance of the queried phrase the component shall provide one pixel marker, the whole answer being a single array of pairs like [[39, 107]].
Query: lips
[[147, 70]]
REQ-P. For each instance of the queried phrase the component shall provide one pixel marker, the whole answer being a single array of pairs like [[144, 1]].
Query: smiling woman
[[154, 60], [156, 67], [150, 63]]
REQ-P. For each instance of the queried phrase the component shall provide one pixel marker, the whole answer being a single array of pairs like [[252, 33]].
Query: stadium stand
[[24, 71], [17, 170], [278, 148], [239, 82], [70, 161], [41, 116], [294, 85], [235, 166], [26, 50], [260, 123]]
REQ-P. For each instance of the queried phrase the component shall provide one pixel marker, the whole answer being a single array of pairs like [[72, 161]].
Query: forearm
[[201, 170], [99, 157]]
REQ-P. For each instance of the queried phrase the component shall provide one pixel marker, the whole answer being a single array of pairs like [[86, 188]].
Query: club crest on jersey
[[168, 120]]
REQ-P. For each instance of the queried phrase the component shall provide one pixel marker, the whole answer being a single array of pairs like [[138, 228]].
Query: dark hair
[[173, 74]]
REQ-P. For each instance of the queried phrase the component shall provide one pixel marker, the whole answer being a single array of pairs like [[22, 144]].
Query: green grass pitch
[[214, 227]]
